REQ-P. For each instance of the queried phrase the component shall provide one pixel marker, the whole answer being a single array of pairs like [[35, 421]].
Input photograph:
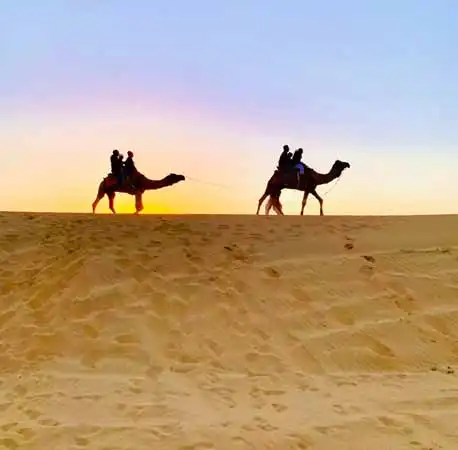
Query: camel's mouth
[[341, 165], [177, 177]]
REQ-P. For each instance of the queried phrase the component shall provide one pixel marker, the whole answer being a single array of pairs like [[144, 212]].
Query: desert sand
[[228, 332]]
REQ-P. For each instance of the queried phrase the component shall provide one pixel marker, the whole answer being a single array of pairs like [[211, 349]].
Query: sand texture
[[228, 332]]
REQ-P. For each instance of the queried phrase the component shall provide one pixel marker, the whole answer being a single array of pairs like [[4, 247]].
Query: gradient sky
[[214, 89]]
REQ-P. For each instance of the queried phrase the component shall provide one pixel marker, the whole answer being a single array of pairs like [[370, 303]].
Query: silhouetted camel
[[306, 183], [109, 186]]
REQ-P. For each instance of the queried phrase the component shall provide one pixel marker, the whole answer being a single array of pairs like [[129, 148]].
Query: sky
[[213, 90]]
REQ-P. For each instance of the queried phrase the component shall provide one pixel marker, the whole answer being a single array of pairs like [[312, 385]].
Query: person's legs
[[129, 179], [299, 171], [120, 178]]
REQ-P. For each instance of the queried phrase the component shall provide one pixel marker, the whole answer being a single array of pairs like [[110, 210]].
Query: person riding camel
[[284, 162], [116, 166], [298, 165], [129, 168], [121, 162]]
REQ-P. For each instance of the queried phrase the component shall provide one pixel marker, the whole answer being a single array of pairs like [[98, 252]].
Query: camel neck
[[148, 184], [325, 178]]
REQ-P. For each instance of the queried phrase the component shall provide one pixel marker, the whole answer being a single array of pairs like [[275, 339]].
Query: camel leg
[[138, 203], [100, 194], [261, 200], [96, 202], [304, 202], [278, 208], [111, 197], [269, 206], [274, 202], [315, 194]]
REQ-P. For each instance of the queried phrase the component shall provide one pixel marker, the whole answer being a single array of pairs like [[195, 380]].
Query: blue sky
[[370, 78]]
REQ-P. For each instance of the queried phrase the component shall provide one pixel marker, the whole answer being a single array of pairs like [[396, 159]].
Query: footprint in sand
[[349, 244], [192, 256], [368, 269], [279, 408], [9, 443], [237, 253], [274, 273], [82, 442]]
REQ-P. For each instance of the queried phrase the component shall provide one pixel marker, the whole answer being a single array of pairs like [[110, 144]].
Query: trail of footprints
[[263, 400]]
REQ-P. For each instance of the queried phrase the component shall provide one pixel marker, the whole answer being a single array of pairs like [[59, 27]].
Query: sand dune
[[228, 332]]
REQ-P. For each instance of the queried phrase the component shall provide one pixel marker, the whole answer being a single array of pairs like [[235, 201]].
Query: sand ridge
[[237, 332]]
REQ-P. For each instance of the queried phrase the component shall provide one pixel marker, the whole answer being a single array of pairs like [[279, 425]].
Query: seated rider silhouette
[[297, 164], [129, 168], [284, 162], [121, 162], [116, 166]]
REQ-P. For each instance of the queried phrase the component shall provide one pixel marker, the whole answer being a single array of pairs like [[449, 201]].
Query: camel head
[[340, 166], [174, 178]]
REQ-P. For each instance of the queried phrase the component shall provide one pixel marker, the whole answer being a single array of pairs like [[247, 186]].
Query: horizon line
[[79, 213]]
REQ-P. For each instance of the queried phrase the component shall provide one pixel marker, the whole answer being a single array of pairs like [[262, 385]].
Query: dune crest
[[228, 332]]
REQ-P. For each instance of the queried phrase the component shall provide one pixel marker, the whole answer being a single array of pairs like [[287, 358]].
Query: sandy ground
[[228, 332]]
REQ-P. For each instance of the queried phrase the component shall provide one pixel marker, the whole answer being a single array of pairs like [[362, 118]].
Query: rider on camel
[[129, 167], [298, 165], [116, 166], [284, 162]]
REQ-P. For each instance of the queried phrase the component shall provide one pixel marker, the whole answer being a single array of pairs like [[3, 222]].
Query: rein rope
[[209, 183], [225, 186], [333, 186]]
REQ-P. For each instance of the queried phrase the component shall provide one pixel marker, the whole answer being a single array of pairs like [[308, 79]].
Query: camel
[[306, 183], [109, 186]]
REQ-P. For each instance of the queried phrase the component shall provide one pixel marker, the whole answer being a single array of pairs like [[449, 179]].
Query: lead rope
[[332, 187], [209, 182], [229, 187]]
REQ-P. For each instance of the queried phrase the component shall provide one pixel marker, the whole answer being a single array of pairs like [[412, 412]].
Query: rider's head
[[116, 152], [130, 154], [300, 151], [286, 148]]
